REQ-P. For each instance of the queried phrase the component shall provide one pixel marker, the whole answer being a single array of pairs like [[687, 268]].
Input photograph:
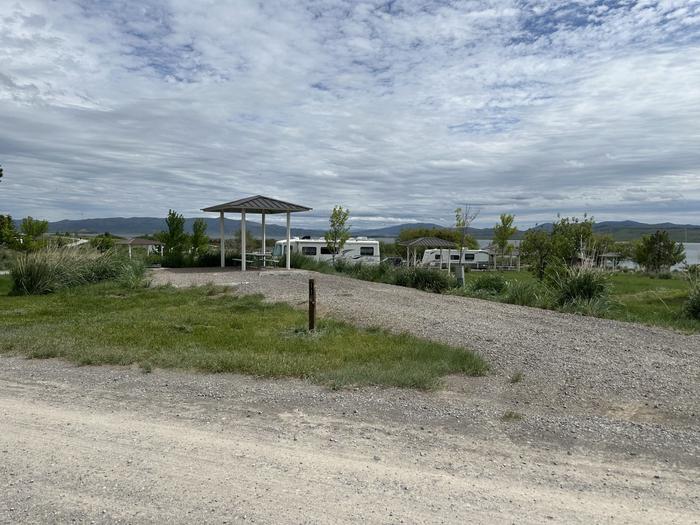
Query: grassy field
[[208, 330], [639, 298]]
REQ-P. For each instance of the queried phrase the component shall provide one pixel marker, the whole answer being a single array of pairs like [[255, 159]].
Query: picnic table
[[259, 260]]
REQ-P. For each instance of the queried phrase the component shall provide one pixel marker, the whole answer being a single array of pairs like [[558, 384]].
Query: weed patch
[[510, 416], [517, 377]]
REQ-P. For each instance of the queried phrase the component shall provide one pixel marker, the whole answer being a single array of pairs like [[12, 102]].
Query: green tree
[[174, 239], [463, 220], [536, 250], [572, 239], [103, 242], [8, 232], [34, 228], [657, 251], [199, 239], [339, 231], [502, 233], [32, 232], [448, 234]]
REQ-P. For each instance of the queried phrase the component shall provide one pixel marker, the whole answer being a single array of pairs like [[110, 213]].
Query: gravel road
[[606, 427], [114, 445]]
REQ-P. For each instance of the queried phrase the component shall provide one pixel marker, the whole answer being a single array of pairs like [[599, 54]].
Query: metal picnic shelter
[[427, 242], [257, 204]]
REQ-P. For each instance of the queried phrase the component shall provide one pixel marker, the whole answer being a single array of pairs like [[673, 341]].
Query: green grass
[[5, 285], [634, 297], [207, 330]]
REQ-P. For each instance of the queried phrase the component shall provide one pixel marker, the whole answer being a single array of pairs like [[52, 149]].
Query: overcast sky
[[399, 110]]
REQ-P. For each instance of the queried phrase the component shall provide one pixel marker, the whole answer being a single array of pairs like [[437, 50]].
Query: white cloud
[[398, 110]]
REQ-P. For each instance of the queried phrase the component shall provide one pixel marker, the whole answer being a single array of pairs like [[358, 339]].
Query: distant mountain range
[[135, 226]]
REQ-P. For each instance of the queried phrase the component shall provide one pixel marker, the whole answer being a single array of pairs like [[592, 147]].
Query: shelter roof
[[428, 242], [257, 204]]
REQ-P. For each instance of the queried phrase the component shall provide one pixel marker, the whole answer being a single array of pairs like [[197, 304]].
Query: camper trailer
[[356, 249], [473, 259]]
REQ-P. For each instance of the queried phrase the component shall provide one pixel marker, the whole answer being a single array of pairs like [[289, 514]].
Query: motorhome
[[356, 249], [473, 259]]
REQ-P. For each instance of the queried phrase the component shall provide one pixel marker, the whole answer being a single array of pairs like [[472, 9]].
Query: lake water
[[692, 252]]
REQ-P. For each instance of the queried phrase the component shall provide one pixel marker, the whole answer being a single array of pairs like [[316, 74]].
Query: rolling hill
[[135, 226]]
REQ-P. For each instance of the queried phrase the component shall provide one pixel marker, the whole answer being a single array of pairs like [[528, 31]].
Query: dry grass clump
[[52, 269]]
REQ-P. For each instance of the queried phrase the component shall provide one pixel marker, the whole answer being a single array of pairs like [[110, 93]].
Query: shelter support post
[[221, 236], [264, 240], [408, 256], [289, 241], [243, 254], [130, 251]]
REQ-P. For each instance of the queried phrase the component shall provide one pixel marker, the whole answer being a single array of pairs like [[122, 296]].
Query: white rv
[[474, 259], [356, 249]]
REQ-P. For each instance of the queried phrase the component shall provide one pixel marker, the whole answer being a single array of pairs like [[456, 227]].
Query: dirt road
[[106, 445]]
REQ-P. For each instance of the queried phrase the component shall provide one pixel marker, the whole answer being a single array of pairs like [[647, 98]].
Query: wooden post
[[312, 305]]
